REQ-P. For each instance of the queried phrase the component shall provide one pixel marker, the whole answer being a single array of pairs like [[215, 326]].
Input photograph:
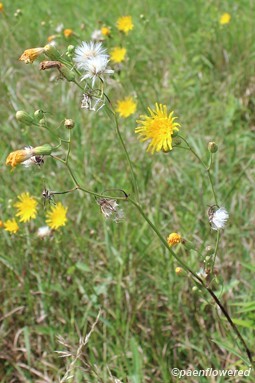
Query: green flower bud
[[176, 141], [42, 122], [188, 245], [69, 123], [24, 117], [52, 52], [70, 49], [43, 150], [39, 114], [212, 147], [67, 73], [209, 250]]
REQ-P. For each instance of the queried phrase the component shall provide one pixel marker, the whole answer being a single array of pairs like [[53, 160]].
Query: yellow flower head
[[1, 7], [19, 156], [178, 270], [29, 55], [68, 32], [125, 24], [126, 107], [11, 226], [225, 18], [51, 38], [106, 31], [56, 217], [173, 239], [159, 127], [118, 54], [26, 207]]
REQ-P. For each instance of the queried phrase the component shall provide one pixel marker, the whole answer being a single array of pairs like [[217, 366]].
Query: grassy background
[[178, 54]]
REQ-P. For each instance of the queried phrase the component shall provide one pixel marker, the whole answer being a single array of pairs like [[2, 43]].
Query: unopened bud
[[69, 123], [209, 250], [38, 114], [188, 244], [194, 289], [176, 141], [67, 73], [179, 271], [43, 150], [212, 147], [24, 117], [42, 122], [52, 52], [70, 49]]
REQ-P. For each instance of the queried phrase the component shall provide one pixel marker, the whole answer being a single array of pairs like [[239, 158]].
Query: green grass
[[151, 320]]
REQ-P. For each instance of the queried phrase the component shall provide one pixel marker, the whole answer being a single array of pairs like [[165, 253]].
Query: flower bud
[[188, 244], [42, 122], [67, 73], [52, 52], [179, 271], [39, 114], [194, 289], [69, 123], [209, 250], [212, 147], [43, 150], [24, 117], [176, 141], [70, 49]]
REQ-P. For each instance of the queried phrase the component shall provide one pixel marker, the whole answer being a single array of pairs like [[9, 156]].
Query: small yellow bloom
[[159, 127], [11, 226], [225, 18], [106, 31], [125, 24], [56, 217], [68, 32], [19, 156], [173, 239], [29, 55], [178, 270], [118, 54], [126, 107], [51, 38], [26, 207], [1, 7]]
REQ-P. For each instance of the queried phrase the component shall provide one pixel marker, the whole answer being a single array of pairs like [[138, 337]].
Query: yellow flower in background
[[68, 32], [126, 107], [159, 128], [225, 18], [1, 7], [125, 24], [106, 31], [29, 55], [26, 207], [11, 226], [51, 38], [56, 217], [173, 239], [118, 54]]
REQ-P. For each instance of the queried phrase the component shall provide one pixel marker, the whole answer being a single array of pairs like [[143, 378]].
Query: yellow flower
[[106, 31], [51, 38], [125, 24], [29, 55], [126, 107], [68, 32], [56, 217], [26, 207], [118, 54], [19, 156], [159, 127], [178, 270], [173, 239], [11, 226], [1, 7], [225, 18]]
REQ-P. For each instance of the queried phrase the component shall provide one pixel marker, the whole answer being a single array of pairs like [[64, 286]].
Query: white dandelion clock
[[218, 218], [43, 232], [96, 67], [88, 51]]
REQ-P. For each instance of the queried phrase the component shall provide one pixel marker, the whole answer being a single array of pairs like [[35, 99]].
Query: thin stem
[[216, 250], [195, 276]]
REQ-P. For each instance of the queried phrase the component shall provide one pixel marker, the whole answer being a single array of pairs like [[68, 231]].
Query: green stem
[[216, 250]]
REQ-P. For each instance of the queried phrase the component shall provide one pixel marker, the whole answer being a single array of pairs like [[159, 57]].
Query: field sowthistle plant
[[87, 66]]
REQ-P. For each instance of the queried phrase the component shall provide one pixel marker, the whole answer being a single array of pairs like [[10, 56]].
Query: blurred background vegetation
[[180, 55]]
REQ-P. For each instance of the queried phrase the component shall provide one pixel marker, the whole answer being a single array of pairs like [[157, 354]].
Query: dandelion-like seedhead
[[110, 209], [217, 217], [96, 67], [87, 51]]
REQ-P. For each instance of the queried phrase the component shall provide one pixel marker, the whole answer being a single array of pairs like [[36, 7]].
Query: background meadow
[[180, 55]]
